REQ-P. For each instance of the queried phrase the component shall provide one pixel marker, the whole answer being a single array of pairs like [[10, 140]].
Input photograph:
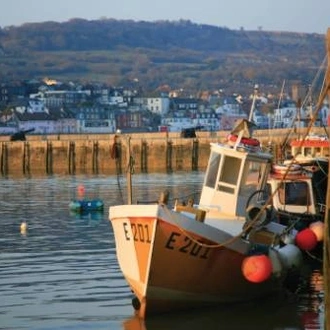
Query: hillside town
[[50, 107]]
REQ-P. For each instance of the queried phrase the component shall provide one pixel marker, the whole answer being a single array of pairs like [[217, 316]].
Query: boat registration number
[[184, 244], [139, 232]]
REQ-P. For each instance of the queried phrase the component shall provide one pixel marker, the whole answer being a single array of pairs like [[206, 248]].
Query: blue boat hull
[[86, 205]]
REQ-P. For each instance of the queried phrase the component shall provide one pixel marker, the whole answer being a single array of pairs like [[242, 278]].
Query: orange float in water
[[306, 239], [257, 268], [318, 229]]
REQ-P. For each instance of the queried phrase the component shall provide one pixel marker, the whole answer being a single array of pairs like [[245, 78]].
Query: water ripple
[[63, 273]]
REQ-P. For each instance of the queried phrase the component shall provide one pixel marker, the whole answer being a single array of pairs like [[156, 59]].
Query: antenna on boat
[[281, 95], [298, 114], [279, 104], [312, 116], [129, 170], [255, 94], [129, 166]]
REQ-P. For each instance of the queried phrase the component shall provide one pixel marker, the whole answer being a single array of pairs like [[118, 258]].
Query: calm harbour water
[[63, 274]]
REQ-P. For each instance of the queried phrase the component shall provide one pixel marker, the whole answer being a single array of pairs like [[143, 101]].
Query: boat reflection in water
[[94, 216], [275, 313], [311, 302]]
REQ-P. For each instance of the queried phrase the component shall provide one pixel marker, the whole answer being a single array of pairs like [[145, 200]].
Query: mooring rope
[[185, 232]]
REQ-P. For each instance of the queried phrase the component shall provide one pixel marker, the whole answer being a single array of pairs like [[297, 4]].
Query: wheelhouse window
[[229, 174], [294, 193], [253, 174], [212, 173], [308, 151]]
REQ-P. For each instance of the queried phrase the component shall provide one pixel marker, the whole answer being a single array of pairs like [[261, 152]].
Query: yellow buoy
[[23, 228]]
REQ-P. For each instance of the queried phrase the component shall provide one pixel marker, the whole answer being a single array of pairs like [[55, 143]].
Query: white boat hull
[[173, 262]]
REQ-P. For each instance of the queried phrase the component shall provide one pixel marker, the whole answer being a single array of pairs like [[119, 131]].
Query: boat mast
[[326, 248], [312, 115], [255, 94], [279, 105], [129, 170], [298, 107]]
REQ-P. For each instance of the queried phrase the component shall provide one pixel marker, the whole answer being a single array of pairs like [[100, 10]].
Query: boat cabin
[[292, 194], [232, 176], [310, 148]]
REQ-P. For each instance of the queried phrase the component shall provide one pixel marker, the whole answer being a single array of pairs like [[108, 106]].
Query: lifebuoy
[[289, 176], [291, 169], [244, 140]]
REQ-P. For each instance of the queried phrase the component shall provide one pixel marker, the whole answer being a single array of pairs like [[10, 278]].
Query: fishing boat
[[296, 202], [294, 194], [299, 183], [313, 154], [85, 206], [310, 150], [220, 250], [82, 205]]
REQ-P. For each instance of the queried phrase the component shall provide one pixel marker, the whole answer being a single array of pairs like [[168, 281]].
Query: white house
[[157, 105], [285, 116]]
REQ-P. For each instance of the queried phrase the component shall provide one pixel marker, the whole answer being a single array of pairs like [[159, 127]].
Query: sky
[[307, 16]]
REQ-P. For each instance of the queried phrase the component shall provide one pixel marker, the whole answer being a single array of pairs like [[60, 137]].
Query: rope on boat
[[312, 256], [223, 244], [318, 107], [311, 124], [307, 97], [253, 222]]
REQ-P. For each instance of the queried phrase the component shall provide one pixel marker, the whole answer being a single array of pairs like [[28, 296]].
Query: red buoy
[[81, 190], [306, 239], [257, 268]]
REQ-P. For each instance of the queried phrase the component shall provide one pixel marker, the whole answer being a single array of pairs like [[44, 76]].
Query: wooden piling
[[4, 159], [95, 157], [116, 154], [194, 156], [144, 156], [179, 157], [26, 158], [71, 158], [49, 158], [169, 148], [129, 170]]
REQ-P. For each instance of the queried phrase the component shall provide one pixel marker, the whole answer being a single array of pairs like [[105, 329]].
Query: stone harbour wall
[[108, 153]]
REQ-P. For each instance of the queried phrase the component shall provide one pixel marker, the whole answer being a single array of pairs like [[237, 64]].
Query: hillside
[[180, 54]]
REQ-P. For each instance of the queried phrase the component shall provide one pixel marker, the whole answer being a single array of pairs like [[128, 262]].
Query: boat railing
[[199, 214]]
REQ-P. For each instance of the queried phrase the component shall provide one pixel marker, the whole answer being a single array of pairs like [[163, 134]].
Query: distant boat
[[310, 150], [219, 251], [295, 192], [83, 206], [296, 202], [299, 183]]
